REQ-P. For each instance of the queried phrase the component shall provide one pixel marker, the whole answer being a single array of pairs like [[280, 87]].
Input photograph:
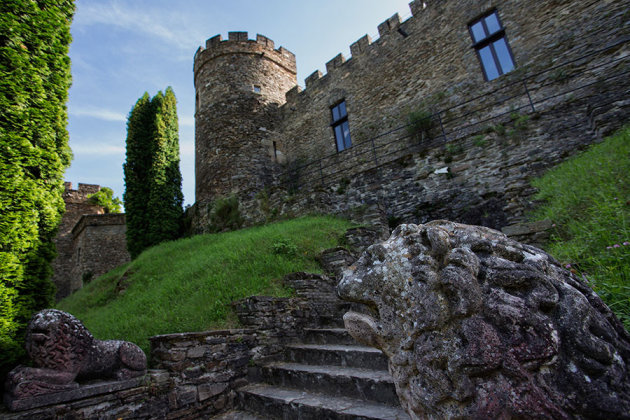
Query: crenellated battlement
[[239, 43], [390, 30]]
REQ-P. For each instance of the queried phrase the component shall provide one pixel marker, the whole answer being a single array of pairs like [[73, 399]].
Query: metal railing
[[534, 93]]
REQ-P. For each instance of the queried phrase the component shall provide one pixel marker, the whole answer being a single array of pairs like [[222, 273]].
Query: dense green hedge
[[34, 153], [153, 181]]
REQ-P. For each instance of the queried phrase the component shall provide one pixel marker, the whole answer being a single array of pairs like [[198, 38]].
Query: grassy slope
[[187, 285], [588, 199]]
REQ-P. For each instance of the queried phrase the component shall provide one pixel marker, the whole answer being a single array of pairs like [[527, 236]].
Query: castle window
[[256, 89], [340, 126], [490, 42]]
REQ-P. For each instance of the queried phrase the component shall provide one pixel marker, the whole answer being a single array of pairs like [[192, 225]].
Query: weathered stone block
[[206, 391]]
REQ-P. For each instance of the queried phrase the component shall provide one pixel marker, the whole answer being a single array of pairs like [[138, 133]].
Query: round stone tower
[[239, 84]]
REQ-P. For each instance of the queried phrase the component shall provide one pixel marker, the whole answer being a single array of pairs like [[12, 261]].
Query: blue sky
[[121, 49]]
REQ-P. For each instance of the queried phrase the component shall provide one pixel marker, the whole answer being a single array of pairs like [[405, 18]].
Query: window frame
[[488, 41], [341, 121]]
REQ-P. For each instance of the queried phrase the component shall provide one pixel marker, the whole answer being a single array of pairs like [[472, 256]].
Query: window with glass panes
[[340, 126], [491, 44]]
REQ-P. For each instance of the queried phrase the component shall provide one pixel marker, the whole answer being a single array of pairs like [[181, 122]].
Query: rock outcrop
[[476, 325]]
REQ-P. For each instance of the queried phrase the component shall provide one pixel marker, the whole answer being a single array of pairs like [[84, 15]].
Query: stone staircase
[[323, 373], [326, 375]]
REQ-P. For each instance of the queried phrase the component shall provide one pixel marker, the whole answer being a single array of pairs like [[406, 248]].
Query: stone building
[[89, 242], [448, 114]]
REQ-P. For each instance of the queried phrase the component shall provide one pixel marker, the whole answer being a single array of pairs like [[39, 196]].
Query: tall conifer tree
[[34, 153], [165, 195], [153, 195], [136, 171]]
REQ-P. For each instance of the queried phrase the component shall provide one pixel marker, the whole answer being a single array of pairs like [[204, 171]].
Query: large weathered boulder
[[479, 326], [63, 351]]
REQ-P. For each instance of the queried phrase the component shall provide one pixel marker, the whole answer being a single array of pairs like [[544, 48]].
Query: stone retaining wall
[[195, 374]]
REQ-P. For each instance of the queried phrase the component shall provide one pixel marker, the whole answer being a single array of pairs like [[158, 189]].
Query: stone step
[[365, 384], [239, 415], [328, 336], [336, 355], [276, 402]]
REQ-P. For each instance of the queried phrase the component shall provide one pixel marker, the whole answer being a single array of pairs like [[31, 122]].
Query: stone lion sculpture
[[63, 351], [479, 326]]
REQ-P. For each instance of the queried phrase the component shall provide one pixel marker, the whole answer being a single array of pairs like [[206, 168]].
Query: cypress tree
[[136, 171], [34, 153], [153, 196], [165, 195]]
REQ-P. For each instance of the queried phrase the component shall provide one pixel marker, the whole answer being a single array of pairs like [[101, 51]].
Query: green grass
[[188, 285], [588, 199]]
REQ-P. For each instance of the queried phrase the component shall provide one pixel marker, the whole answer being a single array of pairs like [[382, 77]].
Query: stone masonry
[[99, 245], [486, 139], [76, 206], [89, 242]]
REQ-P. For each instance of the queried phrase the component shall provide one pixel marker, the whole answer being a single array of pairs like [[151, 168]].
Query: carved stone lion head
[[57, 340], [476, 325]]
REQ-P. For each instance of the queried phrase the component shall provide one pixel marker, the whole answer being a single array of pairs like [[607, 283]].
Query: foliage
[[480, 140], [34, 82], [419, 122], [225, 215], [285, 246], [588, 200], [153, 195], [188, 284], [521, 121], [136, 169], [453, 149], [105, 198]]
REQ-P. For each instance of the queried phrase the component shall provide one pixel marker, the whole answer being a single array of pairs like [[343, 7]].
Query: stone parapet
[[108, 219], [238, 43]]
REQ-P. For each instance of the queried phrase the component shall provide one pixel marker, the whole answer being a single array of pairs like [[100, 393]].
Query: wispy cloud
[[187, 121], [101, 149], [168, 25], [186, 148], [99, 113]]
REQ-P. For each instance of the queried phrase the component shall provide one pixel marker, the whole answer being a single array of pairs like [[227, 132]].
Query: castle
[[447, 115], [496, 92]]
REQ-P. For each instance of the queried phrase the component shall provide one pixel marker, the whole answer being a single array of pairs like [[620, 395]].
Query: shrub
[[225, 215], [419, 122], [285, 247], [105, 198]]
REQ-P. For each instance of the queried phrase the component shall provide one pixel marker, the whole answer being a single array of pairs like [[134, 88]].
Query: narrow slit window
[[340, 126], [490, 42]]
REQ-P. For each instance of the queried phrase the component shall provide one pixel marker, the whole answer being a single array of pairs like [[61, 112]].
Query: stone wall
[[486, 140], [99, 245], [89, 243], [195, 374], [76, 206], [429, 59]]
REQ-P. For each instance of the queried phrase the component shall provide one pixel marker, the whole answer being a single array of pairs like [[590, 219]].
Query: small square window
[[340, 126], [491, 44], [256, 89]]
